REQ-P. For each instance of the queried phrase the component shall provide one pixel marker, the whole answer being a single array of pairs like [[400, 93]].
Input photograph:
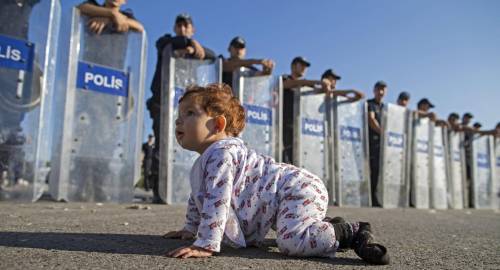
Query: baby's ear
[[220, 123]]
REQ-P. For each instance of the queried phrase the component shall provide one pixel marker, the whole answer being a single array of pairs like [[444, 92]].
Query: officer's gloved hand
[[180, 42], [181, 46]]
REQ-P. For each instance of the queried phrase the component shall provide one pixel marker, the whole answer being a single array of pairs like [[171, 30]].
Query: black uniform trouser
[[94, 183], [11, 157], [146, 169], [468, 188], [155, 114], [374, 170], [287, 144]]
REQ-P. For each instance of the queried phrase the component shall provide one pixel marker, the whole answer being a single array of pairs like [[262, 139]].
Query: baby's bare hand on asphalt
[[182, 234], [190, 251]]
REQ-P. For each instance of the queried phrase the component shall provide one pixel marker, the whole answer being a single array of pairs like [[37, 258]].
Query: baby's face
[[194, 127]]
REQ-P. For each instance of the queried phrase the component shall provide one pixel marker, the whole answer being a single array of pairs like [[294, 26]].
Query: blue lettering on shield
[[438, 151], [313, 127], [423, 146], [258, 115], [483, 160], [352, 134], [395, 139], [102, 79], [16, 54]]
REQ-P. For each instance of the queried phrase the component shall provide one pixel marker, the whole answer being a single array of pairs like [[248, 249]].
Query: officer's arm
[[121, 21], [264, 72], [373, 122], [357, 95], [267, 66], [232, 64], [442, 123], [431, 115], [421, 114], [199, 52], [288, 84], [487, 132], [135, 25], [95, 11], [457, 128]]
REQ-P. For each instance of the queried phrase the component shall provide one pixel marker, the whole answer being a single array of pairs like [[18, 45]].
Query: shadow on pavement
[[269, 251], [90, 242], [136, 244]]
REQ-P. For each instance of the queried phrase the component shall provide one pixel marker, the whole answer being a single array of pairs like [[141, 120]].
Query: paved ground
[[90, 236]]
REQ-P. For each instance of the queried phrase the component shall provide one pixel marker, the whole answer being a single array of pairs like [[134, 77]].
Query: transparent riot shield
[[421, 152], [176, 162], [260, 97], [349, 162], [439, 179], [310, 144], [497, 173], [394, 183], [98, 142], [482, 172], [28, 45], [456, 164]]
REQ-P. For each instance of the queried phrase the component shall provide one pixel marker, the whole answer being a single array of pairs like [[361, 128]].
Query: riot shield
[[98, 142], [497, 173], [28, 45], [456, 164], [349, 162], [482, 172], [439, 161], [394, 183], [310, 145], [176, 162], [260, 97], [421, 152]]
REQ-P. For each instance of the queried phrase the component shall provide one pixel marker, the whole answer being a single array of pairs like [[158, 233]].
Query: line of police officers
[[183, 45], [109, 15]]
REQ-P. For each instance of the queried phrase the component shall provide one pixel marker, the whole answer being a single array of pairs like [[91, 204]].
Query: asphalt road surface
[[52, 235]]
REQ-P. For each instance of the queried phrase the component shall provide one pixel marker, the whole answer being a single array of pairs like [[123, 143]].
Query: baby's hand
[[190, 251], [182, 234]]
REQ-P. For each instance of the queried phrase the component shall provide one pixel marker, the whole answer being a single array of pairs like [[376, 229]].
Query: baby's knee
[[290, 243]]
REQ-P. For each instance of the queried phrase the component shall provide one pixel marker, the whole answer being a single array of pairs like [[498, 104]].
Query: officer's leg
[[155, 114], [374, 172], [287, 144]]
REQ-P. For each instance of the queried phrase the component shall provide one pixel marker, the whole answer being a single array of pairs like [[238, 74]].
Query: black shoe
[[335, 220], [158, 200], [364, 246]]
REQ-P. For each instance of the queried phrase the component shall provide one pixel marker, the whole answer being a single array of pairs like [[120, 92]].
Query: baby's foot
[[366, 248]]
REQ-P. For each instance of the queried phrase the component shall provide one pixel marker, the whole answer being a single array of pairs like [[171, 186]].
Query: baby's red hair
[[217, 99]]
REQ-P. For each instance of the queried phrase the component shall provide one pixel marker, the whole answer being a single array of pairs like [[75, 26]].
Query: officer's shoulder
[[129, 13]]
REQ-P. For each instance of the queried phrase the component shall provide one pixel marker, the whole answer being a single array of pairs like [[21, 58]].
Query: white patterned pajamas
[[238, 195]]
